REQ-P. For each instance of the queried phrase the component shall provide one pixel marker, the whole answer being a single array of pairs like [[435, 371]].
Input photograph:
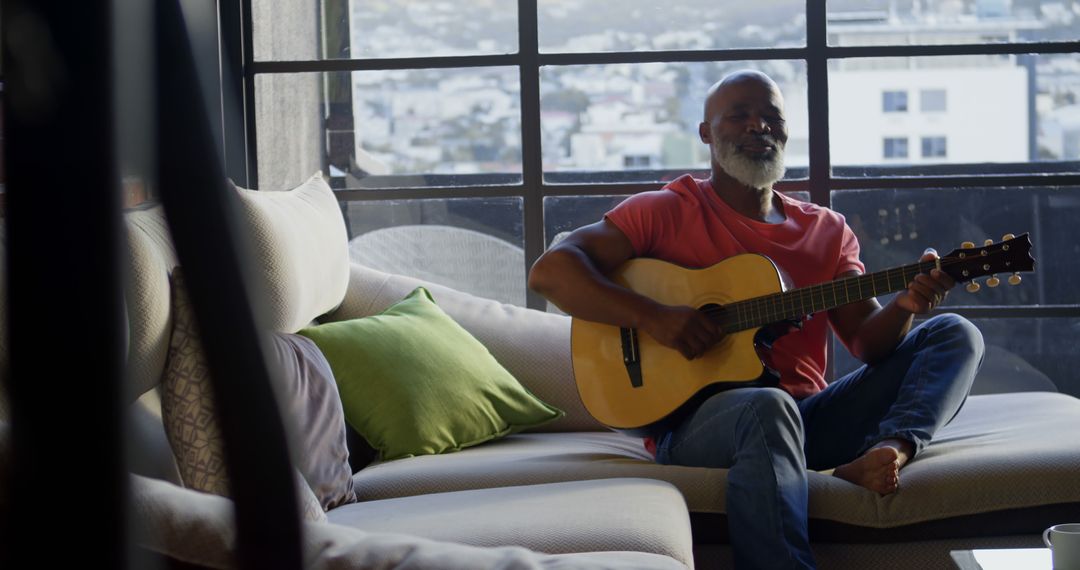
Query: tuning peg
[[993, 282], [988, 242], [1014, 279], [1007, 237], [972, 287], [968, 245]]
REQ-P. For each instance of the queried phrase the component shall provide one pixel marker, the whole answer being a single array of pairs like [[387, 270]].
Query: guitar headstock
[[1011, 255]]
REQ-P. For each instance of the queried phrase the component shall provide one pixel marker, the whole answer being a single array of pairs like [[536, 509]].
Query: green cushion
[[414, 382]]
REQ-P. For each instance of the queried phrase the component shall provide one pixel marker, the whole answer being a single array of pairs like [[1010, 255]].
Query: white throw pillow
[[301, 250]]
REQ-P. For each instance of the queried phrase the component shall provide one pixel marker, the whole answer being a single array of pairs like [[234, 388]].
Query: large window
[[504, 125]]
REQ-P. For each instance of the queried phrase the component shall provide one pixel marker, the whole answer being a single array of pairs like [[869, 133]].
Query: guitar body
[[632, 383], [668, 381]]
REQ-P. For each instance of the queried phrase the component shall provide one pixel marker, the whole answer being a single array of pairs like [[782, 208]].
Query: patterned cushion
[[187, 410]]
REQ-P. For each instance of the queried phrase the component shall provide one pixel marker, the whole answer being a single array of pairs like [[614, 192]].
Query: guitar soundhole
[[715, 312], [712, 310]]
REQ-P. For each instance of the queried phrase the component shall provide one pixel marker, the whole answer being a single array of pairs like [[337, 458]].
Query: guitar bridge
[[631, 355]]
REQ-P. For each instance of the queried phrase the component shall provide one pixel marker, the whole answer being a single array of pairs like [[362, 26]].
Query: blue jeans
[[767, 440]]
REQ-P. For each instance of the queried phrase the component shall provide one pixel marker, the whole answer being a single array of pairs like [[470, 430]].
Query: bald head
[[745, 129], [739, 80]]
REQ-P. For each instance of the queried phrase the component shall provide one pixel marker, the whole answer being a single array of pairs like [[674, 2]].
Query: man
[[867, 425]]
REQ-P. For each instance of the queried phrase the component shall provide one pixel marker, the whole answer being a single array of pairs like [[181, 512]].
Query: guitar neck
[[795, 304]]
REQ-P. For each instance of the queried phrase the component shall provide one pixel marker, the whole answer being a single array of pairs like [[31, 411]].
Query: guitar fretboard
[[795, 304]]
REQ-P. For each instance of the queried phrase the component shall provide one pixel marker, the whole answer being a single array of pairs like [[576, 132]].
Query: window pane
[[425, 127], [934, 147], [639, 122], [895, 226], [894, 102], [1023, 111], [564, 214], [932, 100], [895, 147], [288, 29], [1021, 355], [916, 22], [474, 245], [643, 25]]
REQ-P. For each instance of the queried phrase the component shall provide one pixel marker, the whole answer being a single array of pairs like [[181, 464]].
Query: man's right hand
[[685, 329]]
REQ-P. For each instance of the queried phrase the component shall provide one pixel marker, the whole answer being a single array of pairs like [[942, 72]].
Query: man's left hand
[[927, 291]]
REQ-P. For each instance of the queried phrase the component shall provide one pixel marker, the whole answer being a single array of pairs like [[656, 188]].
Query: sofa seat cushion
[[1003, 455], [200, 529], [581, 516], [535, 458], [1003, 452]]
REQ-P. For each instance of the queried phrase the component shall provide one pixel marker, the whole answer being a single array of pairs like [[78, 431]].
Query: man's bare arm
[[573, 275], [871, 332]]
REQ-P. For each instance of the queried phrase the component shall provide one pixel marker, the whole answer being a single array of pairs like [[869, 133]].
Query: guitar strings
[[768, 307], [774, 308]]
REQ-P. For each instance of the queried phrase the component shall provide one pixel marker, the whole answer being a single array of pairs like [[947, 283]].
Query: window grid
[[819, 182]]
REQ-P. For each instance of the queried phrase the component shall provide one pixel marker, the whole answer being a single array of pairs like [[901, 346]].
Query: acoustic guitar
[[632, 383]]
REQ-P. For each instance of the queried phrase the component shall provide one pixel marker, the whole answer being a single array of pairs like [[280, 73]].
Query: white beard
[[750, 172]]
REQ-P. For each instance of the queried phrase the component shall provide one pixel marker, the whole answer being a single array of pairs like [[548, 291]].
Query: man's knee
[[777, 411], [960, 331]]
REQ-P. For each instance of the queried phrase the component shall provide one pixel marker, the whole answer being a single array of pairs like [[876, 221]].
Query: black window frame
[[819, 179]]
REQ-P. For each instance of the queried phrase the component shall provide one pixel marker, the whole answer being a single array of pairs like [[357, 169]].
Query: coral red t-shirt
[[687, 224]]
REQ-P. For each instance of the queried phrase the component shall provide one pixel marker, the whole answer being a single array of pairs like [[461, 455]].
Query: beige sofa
[[1005, 469], [301, 257], [1001, 472]]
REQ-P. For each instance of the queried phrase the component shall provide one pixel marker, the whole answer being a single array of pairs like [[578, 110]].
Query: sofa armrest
[[533, 345]]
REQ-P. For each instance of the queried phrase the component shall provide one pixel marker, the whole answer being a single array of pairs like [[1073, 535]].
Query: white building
[[919, 116], [930, 110]]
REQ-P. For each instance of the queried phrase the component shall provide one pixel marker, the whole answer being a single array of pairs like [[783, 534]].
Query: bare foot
[[878, 470]]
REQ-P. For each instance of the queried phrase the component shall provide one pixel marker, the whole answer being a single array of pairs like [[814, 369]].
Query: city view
[[644, 116]]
